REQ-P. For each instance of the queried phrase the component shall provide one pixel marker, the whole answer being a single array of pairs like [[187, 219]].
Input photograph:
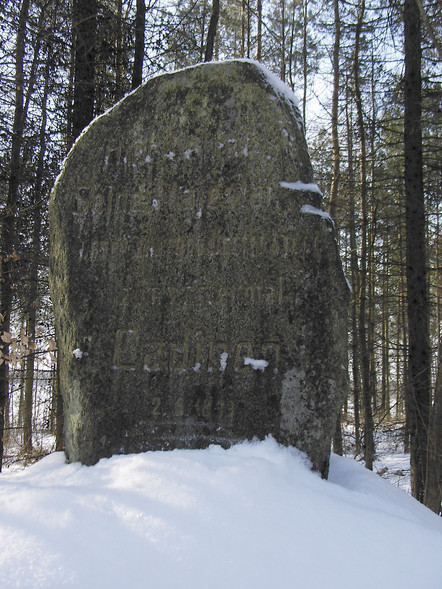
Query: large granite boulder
[[198, 293]]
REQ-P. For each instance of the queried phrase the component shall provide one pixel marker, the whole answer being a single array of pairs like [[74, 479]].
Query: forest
[[368, 78]]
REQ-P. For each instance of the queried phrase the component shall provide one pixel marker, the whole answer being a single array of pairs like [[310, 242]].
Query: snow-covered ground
[[251, 517], [391, 462]]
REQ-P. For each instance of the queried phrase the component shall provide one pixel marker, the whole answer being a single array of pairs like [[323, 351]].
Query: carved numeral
[[156, 402], [179, 407], [207, 408]]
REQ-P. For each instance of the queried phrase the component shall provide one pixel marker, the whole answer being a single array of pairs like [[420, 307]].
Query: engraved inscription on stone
[[208, 300], [131, 354]]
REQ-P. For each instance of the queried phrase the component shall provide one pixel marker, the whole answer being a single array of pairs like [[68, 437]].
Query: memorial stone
[[198, 293]]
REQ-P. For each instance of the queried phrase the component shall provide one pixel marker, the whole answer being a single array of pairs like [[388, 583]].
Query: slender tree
[[84, 30], [259, 31], [8, 218], [211, 33], [419, 360], [119, 89], [304, 58], [283, 41], [140, 24], [354, 274], [35, 256], [433, 484], [334, 188], [243, 27], [364, 352]]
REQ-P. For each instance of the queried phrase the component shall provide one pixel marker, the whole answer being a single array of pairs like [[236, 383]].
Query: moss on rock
[[203, 303]]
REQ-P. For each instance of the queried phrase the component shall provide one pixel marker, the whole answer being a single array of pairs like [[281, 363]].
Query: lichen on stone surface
[[203, 292]]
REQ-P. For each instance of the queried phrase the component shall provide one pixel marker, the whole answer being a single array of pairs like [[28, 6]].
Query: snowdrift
[[251, 517]]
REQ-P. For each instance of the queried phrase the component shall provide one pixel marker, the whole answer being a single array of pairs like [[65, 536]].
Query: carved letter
[[270, 352], [153, 359], [243, 350], [216, 351], [179, 354], [125, 350]]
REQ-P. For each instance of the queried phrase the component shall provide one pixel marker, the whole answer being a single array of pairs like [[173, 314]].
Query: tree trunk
[[371, 300], [334, 188], [402, 329], [363, 344], [243, 28], [249, 29], [354, 269], [419, 361], [29, 391], [211, 33], [438, 282], [70, 100], [385, 342], [119, 89], [259, 32], [304, 58], [140, 24], [8, 219], [84, 29], [32, 302], [372, 235], [291, 52], [338, 445], [433, 486], [283, 56]]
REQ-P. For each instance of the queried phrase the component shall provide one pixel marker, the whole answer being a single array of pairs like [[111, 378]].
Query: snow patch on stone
[[310, 210], [256, 364], [301, 186]]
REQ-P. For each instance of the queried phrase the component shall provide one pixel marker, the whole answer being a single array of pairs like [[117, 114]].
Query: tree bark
[[385, 337], [334, 187], [354, 269], [338, 445], [259, 31], [119, 90], [140, 24], [372, 236], [419, 361], [211, 33], [291, 52], [304, 59], [283, 56], [365, 364], [84, 29], [243, 28], [59, 415], [433, 486]]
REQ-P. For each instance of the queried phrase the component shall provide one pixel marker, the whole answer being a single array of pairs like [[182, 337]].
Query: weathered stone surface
[[198, 293]]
